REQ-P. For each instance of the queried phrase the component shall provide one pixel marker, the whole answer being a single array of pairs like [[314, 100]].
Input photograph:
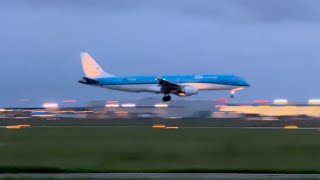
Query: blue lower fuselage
[[151, 83]]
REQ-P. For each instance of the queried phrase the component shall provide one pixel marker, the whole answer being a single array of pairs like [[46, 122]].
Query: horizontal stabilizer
[[86, 80]]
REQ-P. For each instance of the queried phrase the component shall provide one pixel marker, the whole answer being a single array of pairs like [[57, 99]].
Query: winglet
[[91, 68]]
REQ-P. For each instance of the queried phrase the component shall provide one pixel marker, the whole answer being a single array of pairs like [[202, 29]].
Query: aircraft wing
[[168, 87]]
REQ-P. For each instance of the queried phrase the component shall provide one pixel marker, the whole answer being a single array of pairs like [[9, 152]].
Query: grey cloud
[[234, 11], [282, 10], [41, 41]]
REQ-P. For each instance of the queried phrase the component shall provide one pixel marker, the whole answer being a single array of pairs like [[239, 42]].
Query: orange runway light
[[24, 125], [159, 126], [13, 127], [291, 127], [264, 106], [290, 107]]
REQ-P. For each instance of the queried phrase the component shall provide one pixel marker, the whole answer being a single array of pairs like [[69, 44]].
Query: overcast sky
[[275, 44]]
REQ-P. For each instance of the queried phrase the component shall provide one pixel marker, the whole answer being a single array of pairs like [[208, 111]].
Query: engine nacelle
[[188, 91]]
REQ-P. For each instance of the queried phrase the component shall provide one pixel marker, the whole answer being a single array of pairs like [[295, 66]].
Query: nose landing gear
[[233, 92], [166, 98]]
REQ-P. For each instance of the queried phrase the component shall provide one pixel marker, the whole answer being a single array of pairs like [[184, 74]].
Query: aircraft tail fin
[[91, 68]]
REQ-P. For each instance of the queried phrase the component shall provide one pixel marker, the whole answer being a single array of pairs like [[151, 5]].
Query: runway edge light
[[50, 105], [161, 105], [314, 102], [280, 101]]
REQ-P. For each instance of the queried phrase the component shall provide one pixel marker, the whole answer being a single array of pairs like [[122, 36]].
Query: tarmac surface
[[158, 176], [298, 128]]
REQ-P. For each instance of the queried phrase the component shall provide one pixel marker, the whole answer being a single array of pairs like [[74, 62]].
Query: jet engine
[[188, 91]]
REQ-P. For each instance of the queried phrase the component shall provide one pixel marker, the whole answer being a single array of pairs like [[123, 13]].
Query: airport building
[[154, 108], [260, 110]]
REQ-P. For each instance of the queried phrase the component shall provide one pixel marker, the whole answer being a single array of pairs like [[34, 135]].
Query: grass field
[[87, 149]]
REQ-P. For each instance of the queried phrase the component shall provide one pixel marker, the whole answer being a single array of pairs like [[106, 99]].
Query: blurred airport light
[[264, 106], [290, 107], [112, 105], [222, 100], [260, 101], [172, 127], [314, 101], [128, 105], [161, 105], [50, 105], [13, 127], [280, 101], [69, 101], [291, 127], [122, 114], [112, 102], [6, 110], [159, 126]]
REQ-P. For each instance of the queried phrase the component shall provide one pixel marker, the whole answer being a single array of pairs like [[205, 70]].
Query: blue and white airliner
[[180, 85]]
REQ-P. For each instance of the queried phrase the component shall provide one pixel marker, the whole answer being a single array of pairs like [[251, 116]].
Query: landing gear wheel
[[166, 98], [233, 92]]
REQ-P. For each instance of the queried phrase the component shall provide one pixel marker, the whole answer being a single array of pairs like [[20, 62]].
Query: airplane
[[180, 85]]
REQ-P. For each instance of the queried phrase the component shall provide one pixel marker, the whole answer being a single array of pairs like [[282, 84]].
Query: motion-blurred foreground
[[106, 149], [152, 136]]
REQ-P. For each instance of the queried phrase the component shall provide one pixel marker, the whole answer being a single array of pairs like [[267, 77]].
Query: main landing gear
[[232, 92], [166, 98]]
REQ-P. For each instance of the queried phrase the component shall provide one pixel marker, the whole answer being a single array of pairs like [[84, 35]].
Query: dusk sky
[[274, 44]]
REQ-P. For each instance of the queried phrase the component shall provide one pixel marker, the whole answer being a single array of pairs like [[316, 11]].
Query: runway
[[158, 176], [170, 127]]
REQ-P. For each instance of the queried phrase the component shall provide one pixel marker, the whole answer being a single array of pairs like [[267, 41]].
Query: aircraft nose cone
[[243, 83], [246, 83]]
